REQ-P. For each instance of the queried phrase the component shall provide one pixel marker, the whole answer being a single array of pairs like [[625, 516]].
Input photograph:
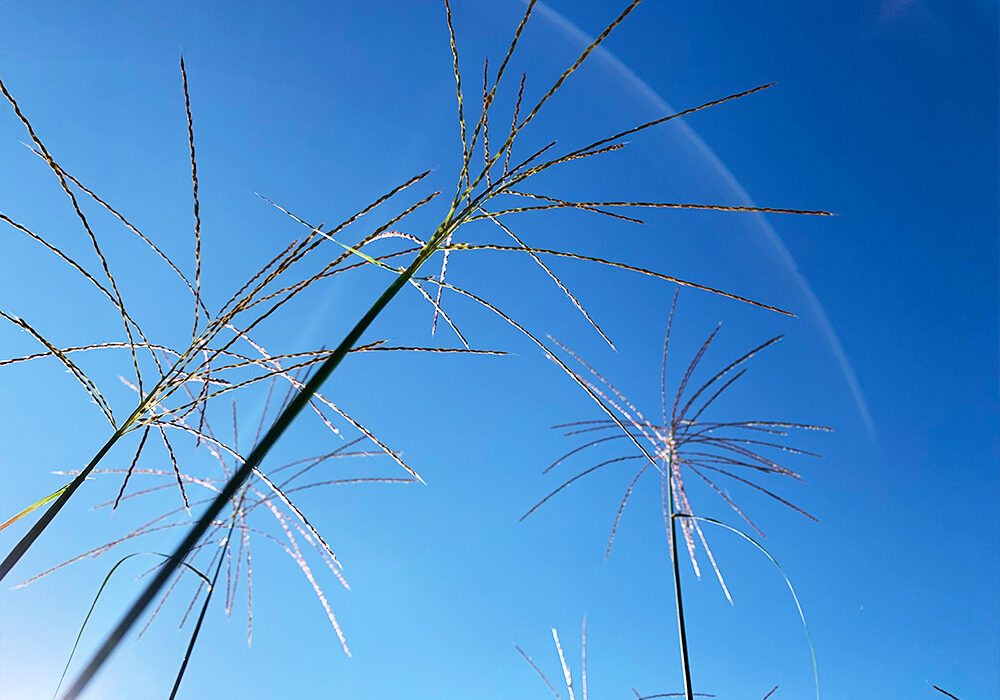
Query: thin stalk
[[208, 598], [678, 597], [257, 455]]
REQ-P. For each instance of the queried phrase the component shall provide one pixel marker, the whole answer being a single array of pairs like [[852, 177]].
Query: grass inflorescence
[[682, 443]]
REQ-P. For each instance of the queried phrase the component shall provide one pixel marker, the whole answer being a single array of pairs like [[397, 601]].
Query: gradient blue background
[[884, 112]]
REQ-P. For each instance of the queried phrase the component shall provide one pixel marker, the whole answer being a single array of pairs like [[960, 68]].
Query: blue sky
[[883, 112]]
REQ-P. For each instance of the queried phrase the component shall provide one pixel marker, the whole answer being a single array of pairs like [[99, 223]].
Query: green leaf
[[33, 506]]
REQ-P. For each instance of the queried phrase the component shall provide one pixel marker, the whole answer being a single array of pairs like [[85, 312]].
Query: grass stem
[[208, 598], [678, 597]]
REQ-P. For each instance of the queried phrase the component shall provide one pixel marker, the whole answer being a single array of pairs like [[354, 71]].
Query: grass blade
[[34, 506], [93, 604], [795, 597]]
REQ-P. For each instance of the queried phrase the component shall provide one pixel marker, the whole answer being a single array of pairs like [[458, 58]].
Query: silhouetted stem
[[678, 597], [204, 608]]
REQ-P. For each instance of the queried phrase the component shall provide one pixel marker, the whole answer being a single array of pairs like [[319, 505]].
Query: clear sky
[[884, 112]]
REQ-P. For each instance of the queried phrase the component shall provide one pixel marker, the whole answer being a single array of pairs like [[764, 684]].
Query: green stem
[[678, 597], [254, 459]]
